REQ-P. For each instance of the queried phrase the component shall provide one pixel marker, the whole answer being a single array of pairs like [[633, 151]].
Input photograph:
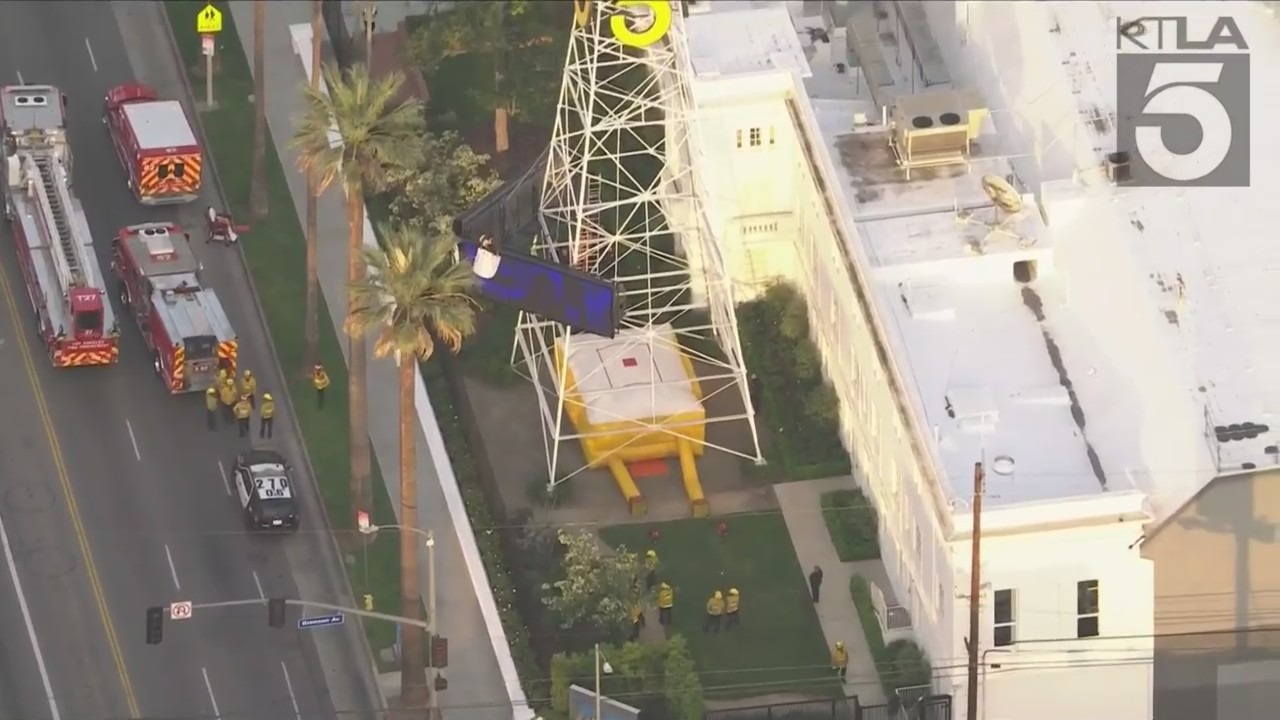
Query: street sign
[[209, 21], [206, 45], [320, 621], [180, 610]]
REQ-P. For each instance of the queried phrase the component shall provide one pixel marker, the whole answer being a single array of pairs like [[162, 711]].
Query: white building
[[1085, 344]]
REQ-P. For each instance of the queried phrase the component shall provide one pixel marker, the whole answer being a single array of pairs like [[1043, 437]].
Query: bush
[[793, 397], [901, 663], [657, 678], [852, 524]]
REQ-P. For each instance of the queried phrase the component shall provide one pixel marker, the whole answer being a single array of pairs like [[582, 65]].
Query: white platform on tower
[[1150, 320]]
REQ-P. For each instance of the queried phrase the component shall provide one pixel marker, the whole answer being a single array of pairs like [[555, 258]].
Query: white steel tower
[[622, 199]]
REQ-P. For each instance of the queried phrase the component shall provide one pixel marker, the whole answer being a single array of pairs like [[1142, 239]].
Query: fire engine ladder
[[586, 252], [52, 191]]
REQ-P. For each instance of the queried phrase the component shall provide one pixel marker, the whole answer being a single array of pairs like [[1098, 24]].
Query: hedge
[[901, 663], [852, 525], [657, 678], [796, 402]]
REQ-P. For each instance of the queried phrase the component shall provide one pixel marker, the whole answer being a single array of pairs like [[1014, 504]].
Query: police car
[[265, 491]]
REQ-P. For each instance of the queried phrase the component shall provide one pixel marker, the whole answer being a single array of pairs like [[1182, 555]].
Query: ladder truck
[[182, 322], [55, 249]]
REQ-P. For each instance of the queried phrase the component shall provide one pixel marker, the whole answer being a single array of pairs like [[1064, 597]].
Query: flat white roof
[[636, 376], [160, 124], [1184, 285]]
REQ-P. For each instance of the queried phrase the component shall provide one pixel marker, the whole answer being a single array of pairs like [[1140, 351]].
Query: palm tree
[[312, 322], [373, 132], [258, 183], [414, 295]]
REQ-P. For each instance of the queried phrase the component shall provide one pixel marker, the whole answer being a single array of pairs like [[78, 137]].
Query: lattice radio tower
[[622, 199]]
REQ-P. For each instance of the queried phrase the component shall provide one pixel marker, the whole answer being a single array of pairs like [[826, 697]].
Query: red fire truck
[[155, 143], [182, 323], [55, 250]]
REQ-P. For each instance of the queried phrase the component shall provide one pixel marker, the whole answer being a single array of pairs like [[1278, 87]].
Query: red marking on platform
[[629, 362], [647, 468]]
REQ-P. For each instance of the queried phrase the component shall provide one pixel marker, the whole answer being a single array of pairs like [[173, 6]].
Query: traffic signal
[[439, 652], [155, 625], [275, 612]]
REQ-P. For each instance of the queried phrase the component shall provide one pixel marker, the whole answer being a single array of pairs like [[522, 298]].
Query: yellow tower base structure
[[632, 398]]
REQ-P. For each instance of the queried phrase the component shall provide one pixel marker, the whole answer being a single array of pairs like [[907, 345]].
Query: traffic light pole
[[312, 604]]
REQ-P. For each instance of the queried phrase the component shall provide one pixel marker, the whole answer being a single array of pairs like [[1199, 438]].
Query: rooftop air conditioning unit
[[935, 127]]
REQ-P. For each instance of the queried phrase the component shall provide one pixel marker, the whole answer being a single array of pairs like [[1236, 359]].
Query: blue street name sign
[[320, 621]]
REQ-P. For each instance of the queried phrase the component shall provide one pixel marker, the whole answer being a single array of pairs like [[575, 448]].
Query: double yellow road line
[[73, 508]]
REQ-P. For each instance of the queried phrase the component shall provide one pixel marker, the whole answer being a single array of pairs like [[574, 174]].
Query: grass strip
[[275, 251]]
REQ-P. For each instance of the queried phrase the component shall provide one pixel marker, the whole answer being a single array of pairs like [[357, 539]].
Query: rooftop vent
[[158, 241], [935, 127], [31, 100]]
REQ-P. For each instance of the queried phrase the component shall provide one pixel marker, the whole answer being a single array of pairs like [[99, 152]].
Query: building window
[[773, 136], [753, 136], [1004, 618], [737, 138], [1087, 609]]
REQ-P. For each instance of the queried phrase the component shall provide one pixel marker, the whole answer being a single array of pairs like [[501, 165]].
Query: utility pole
[[369, 14], [975, 590]]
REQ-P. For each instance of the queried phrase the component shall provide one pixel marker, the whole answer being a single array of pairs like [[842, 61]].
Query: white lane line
[[133, 439], [226, 481], [292, 697], [209, 686], [20, 80], [31, 628], [173, 569], [92, 59], [258, 584]]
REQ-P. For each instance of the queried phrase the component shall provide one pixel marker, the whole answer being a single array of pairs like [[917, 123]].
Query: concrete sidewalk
[[478, 688], [801, 508]]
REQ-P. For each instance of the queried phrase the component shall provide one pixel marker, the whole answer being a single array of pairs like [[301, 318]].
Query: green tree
[[258, 181], [373, 129], [446, 178], [414, 294], [523, 44], [599, 586], [311, 354]]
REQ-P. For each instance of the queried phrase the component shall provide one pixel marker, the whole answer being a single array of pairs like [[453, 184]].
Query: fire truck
[[155, 144], [182, 322], [55, 250]]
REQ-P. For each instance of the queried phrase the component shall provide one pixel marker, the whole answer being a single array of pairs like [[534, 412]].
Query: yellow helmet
[[733, 591], [266, 396], [248, 374], [651, 554], [664, 586], [839, 645], [717, 595], [210, 391]]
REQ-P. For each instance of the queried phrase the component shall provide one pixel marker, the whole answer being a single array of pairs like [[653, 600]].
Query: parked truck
[[183, 324], [155, 143], [55, 249]]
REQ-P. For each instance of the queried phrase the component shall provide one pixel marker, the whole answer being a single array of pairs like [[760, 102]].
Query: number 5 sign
[[662, 17]]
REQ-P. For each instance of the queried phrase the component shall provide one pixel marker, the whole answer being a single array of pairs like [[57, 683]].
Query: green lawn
[[276, 253], [779, 647]]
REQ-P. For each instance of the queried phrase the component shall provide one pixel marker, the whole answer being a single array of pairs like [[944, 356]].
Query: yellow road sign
[[209, 21]]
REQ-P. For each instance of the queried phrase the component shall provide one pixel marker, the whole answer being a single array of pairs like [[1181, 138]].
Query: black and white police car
[[264, 488]]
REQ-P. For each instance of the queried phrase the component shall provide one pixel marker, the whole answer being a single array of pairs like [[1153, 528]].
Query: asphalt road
[[118, 501]]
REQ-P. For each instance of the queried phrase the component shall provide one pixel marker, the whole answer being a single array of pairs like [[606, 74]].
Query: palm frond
[[415, 293]]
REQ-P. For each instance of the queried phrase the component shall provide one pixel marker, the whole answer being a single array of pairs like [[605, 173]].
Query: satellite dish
[[1002, 194]]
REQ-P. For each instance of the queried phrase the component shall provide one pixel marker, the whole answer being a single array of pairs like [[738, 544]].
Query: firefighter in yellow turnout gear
[[268, 416], [249, 387], [840, 661], [650, 569], [211, 407], [666, 602], [732, 604], [319, 380], [227, 395], [244, 411], [715, 611]]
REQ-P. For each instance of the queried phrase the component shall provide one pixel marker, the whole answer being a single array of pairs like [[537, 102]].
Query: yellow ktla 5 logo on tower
[[661, 10]]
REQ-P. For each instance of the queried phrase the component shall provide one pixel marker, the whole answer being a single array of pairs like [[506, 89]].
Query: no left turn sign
[[180, 610]]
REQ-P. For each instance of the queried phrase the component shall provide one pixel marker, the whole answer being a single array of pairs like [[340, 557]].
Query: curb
[[370, 676]]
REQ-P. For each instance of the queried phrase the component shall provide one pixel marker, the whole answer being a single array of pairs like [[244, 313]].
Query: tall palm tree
[[414, 295], [312, 322], [373, 131], [258, 184]]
